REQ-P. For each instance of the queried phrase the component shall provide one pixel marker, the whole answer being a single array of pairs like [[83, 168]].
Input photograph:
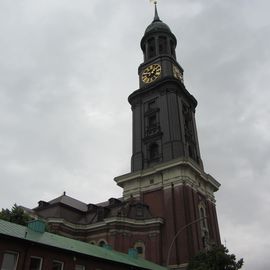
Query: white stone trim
[[106, 221], [167, 165], [179, 165], [177, 172]]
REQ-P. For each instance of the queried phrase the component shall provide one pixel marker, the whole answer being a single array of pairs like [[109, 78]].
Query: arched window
[[162, 45], [190, 151], [151, 48], [139, 210], [102, 242], [202, 213], [154, 151], [152, 121], [140, 247], [172, 45], [203, 225]]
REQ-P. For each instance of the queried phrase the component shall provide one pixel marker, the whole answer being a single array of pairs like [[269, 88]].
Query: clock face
[[178, 74], [151, 73]]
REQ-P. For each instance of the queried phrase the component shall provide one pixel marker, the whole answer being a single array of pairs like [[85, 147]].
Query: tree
[[15, 215], [216, 258]]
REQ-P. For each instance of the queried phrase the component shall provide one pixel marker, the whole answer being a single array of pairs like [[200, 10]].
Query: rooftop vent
[[37, 226], [132, 252]]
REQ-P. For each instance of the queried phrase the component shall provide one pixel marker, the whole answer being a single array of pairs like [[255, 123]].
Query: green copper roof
[[53, 240]]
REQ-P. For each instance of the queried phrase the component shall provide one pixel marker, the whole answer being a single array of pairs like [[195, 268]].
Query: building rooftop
[[70, 245], [67, 200]]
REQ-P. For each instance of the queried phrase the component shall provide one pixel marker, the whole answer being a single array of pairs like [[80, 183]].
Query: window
[[187, 116], [162, 44], [151, 48], [190, 151], [152, 121], [57, 265], [172, 48], [140, 247], [79, 267], [9, 261], [140, 250], [35, 263], [204, 225], [151, 105], [202, 213], [139, 211], [152, 124], [102, 243], [153, 151]]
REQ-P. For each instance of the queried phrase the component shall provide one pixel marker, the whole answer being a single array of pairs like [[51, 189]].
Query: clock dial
[[178, 74], [151, 73]]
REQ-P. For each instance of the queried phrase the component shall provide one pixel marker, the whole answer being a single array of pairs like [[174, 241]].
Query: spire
[[156, 18]]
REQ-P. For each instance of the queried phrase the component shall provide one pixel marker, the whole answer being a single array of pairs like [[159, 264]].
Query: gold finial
[[153, 1]]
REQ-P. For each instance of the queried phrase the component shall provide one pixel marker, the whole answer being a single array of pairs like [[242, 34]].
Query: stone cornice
[[108, 221], [120, 180]]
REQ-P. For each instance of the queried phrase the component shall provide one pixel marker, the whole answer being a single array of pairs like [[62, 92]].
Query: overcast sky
[[67, 68]]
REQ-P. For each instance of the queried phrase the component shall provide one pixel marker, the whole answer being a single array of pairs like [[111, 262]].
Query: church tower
[[167, 172], [167, 212], [163, 110]]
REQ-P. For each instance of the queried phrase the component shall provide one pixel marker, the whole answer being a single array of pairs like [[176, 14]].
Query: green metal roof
[[53, 240]]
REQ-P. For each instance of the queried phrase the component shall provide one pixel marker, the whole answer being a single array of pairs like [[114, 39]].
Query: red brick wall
[[179, 206], [155, 199], [27, 249]]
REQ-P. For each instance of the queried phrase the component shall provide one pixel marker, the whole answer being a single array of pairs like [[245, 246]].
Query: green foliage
[[217, 258], [15, 215]]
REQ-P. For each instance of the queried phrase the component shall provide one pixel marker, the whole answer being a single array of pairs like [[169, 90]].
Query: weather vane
[[153, 1]]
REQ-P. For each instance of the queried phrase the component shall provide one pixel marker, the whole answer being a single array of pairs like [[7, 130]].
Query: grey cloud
[[67, 69]]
